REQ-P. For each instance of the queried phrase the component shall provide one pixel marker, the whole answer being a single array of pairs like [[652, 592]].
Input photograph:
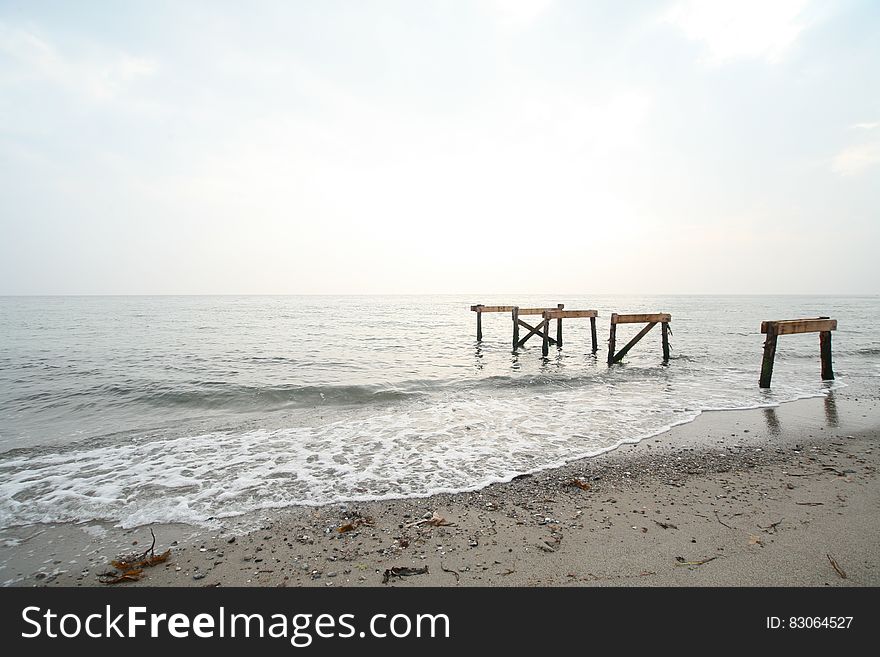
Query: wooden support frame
[[651, 320], [480, 309], [561, 314], [541, 328], [773, 329]]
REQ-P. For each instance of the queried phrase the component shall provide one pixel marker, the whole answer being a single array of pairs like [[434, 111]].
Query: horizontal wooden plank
[[492, 309], [638, 319], [789, 326], [562, 314], [535, 311]]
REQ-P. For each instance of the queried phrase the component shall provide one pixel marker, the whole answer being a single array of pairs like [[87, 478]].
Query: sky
[[446, 146]]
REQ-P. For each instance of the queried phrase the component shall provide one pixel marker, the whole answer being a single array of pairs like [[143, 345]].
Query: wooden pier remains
[[773, 329], [561, 314], [651, 319], [541, 328]]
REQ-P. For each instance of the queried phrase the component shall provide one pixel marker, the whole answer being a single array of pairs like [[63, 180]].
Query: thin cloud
[[857, 159], [747, 29], [518, 15], [100, 77]]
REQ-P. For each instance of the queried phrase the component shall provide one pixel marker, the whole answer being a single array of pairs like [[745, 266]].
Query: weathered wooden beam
[[825, 352], [789, 326], [545, 349], [532, 330], [514, 313], [593, 334], [769, 356], [570, 314], [612, 337], [491, 309], [665, 340], [638, 319], [534, 311], [560, 306], [479, 326], [629, 345]]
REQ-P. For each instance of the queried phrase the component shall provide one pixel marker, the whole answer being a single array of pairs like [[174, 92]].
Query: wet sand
[[765, 497]]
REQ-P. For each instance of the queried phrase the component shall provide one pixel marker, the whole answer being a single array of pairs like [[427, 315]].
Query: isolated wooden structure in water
[[773, 329], [651, 319]]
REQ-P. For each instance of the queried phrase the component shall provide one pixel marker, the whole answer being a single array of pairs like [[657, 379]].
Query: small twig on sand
[[837, 568], [666, 525], [454, 572], [717, 517], [681, 561], [772, 526]]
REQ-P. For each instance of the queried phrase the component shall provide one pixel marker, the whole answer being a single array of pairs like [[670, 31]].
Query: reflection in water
[[478, 356], [772, 421], [831, 410]]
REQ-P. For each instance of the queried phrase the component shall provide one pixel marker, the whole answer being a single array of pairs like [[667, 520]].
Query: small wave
[[206, 395]]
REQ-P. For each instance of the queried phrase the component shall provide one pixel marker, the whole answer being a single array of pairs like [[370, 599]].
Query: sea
[[133, 410]]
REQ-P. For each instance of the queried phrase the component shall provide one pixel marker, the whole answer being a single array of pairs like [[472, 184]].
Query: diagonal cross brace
[[629, 345], [532, 331]]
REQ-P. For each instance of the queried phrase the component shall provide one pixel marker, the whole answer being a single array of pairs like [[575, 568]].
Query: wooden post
[[665, 340], [479, 326], [593, 333], [611, 338], [559, 327], [546, 348], [515, 314], [825, 351], [769, 355]]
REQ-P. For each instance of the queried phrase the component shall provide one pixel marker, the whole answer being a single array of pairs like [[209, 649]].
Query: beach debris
[[358, 521], [841, 573], [130, 567], [771, 528], [684, 562], [810, 503], [402, 571], [433, 520], [449, 570], [580, 483], [665, 525], [755, 540], [718, 518]]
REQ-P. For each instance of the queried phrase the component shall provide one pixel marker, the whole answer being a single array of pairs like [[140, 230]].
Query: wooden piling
[[545, 350], [593, 334], [769, 356], [559, 327], [515, 315], [612, 336], [773, 329], [665, 340], [479, 325], [825, 352]]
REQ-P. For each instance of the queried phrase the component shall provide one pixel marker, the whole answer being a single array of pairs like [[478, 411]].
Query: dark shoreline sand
[[744, 498]]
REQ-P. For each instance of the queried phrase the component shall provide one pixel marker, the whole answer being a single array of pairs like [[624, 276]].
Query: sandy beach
[[785, 496]]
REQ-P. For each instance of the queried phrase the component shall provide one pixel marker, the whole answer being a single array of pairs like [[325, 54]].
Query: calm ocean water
[[154, 409]]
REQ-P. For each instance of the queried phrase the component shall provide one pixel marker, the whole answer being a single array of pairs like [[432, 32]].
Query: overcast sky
[[509, 146]]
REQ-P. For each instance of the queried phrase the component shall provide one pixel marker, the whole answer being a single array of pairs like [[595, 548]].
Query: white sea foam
[[428, 447]]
